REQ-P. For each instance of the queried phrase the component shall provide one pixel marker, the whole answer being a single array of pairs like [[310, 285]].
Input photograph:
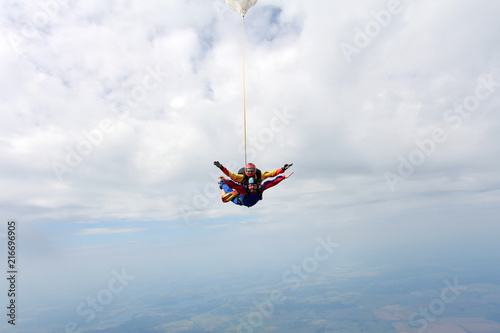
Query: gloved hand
[[287, 166], [217, 164]]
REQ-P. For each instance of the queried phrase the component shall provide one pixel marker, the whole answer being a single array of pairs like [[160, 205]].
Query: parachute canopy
[[241, 6]]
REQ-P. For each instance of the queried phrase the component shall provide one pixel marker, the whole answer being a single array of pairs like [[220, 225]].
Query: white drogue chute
[[241, 6]]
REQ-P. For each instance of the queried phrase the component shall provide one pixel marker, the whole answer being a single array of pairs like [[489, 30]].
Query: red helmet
[[250, 169]]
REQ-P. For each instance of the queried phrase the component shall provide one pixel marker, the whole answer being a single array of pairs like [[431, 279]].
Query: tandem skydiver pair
[[246, 187]]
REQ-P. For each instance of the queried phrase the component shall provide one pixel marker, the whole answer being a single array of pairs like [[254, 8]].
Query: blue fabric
[[226, 188], [249, 201], [267, 182]]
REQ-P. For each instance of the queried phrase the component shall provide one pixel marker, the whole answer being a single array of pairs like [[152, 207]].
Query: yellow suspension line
[[244, 98]]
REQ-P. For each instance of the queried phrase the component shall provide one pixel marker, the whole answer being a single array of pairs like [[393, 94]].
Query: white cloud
[[168, 76], [107, 231], [351, 120]]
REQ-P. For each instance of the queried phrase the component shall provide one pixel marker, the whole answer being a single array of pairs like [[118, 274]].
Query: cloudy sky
[[112, 113]]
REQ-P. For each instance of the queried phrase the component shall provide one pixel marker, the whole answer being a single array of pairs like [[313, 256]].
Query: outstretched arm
[[276, 172], [234, 176], [270, 183]]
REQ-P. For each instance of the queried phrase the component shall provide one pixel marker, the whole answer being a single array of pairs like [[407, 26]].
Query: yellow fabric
[[239, 177], [229, 196]]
